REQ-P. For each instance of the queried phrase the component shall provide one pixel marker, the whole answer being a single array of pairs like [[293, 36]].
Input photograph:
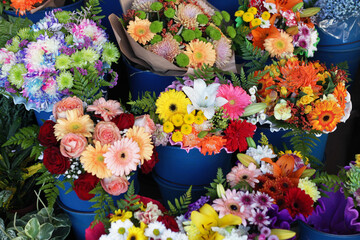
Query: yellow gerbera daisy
[[199, 53], [143, 139], [139, 30], [280, 45], [73, 123], [170, 103], [326, 115], [93, 160], [120, 215]]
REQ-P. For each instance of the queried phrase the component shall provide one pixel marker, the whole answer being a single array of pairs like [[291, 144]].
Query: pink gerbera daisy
[[107, 109], [237, 98], [241, 173], [122, 157], [228, 204]]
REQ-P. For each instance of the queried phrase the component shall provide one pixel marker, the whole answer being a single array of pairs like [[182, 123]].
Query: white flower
[[282, 111], [115, 227], [260, 152], [179, 220], [253, 98], [154, 230], [204, 97], [235, 234], [205, 126], [271, 7], [348, 107], [168, 234], [265, 23], [151, 214], [266, 168], [253, 90]]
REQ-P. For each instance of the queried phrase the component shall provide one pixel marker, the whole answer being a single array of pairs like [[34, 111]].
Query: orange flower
[[212, 144], [284, 167], [139, 30], [284, 5], [264, 83], [326, 115], [260, 34], [340, 94], [24, 5], [191, 140], [279, 46]]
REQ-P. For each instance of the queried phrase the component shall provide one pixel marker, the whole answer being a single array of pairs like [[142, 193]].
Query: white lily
[[204, 97]]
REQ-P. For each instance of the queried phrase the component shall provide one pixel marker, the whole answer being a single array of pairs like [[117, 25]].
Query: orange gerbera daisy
[[279, 46], [139, 30], [200, 53], [340, 94], [260, 34], [263, 85], [24, 5], [325, 115], [284, 5], [143, 139], [212, 144]]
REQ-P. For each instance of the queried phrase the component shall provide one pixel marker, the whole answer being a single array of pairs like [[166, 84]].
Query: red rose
[[147, 166], [84, 184], [46, 134], [124, 121], [54, 161], [169, 222]]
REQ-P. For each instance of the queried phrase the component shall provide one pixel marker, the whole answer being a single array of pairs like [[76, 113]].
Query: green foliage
[[220, 179], [327, 182], [130, 202], [180, 205], [9, 28], [93, 9], [255, 57], [144, 104], [48, 182], [251, 80]]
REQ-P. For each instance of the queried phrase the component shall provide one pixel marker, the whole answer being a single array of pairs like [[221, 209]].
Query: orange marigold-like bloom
[[325, 115], [139, 30], [340, 94], [191, 140], [279, 46], [261, 34], [263, 84], [212, 144], [200, 53], [22, 6]]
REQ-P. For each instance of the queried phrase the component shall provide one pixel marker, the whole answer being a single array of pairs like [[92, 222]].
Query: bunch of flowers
[[189, 33], [64, 54], [281, 28], [303, 95], [104, 145]]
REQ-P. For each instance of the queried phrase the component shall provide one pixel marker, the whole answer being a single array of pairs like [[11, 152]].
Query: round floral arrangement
[[64, 54], [186, 33]]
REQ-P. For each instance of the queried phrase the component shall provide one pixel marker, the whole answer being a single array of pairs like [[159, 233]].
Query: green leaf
[[202, 134], [46, 231], [32, 228]]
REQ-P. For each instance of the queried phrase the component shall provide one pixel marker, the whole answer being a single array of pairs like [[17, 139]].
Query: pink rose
[[72, 145], [115, 185], [106, 132], [69, 103], [146, 122]]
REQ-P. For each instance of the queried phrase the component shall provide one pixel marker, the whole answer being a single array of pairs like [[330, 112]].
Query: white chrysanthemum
[[310, 188], [120, 229], [266, 168], [205, 126], [260, 152], [155, 230], [271, 7], [179, 220], [168, 234]]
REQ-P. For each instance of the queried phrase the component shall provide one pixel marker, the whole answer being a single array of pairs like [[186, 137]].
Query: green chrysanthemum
[[110, 53], [65, 80], [24, 33], [90, 55], [69, 39], [63, 62], [16, 76], [63, 16], [78, 59], [14, 46]]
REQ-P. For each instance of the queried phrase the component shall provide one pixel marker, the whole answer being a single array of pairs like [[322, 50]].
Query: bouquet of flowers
[[64, 54], [282, 29], [103, 146], [206, 112], [185, 34], [304, 96]]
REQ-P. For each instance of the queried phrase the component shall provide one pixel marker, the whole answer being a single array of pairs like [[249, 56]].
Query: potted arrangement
[[64, 54], [274, 29], [170, 38], [304, 98]]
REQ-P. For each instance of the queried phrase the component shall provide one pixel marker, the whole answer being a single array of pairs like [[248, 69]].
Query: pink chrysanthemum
[[186, 14], [88, 28], [259, 218], [262, 200], [247, 203], [122, 157], [107, 109], [241, 173], [237, 98], [228, 204], [167, 48], [223, 51]]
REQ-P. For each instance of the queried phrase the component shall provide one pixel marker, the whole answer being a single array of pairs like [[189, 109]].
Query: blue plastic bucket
[[231, 6], [80, 221], [42, 116], [309, 233], [179, 167], [35, 17], [72, 201], [141, 81], [276, 139]]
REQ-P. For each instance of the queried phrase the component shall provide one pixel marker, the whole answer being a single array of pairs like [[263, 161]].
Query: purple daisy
[[259, 217], [263, 200]]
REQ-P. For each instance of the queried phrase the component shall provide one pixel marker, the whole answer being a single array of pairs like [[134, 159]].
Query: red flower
[[148, 165], [146, 200], [236, 134], [84, 184], [46, 134], [54, 161], [124, 121], [96, 232], [297, 201], [169, 222]]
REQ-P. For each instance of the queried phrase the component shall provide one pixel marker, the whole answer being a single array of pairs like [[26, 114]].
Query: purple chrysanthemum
[[262, 200], [259, 217], [196, 205]]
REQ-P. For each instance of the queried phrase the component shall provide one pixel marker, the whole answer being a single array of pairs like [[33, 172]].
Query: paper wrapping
[[49, 3]]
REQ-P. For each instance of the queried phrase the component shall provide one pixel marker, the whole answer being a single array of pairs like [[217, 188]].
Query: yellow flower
[[120, 215], [198, 119], [177, 136], [252, 10], [247, 17], [265, 15], [136, 233], [31, 170], [309, 187], [357, 160], [168, 127], [308, 109], [177, 120], [186, 129], [189, 118], [201, 113], [256, 22], [143, 139], [171, 102], [283, 234], [239, 13], [283, 91]]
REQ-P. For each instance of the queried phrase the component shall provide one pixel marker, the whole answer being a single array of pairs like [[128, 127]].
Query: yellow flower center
[[198, 55], [100, 158], [121, 230], [280, 44], [232, 102], [75, 126], [140, 31]]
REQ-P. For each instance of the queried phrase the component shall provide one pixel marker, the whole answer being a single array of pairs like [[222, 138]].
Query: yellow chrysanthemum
[[189, 118], [120, 215], [186, 129], [177, 120], [136, 233], [256, 22], [139, 30], [199, 119], [73, 123], [239, 13], [265, 15], [143, 139], [171, 102], [248, 17], [310, 188], [177, 136], [325, 115], [92, 159], [168, 127], [357, 160], [199, 53], [279, 46]]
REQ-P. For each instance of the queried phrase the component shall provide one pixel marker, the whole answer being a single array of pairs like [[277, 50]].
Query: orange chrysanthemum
[[279, 46], [191, 140], [22, 6], [143, 139], [139, 30], [200, 53], [260, 34], [340, 94], [326, 115], [212, 144]]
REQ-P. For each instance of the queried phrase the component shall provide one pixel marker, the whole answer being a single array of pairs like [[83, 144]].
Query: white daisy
[[120, 229], [155, 230]]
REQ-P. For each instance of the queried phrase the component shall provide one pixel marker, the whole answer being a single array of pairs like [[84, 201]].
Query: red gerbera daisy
[[284, 183], [297, 201], [236, 134]]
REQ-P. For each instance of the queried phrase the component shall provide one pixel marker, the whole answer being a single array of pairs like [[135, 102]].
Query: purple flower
[[23, 43], [246, 199], [196, 205], [98, 66], [259, 217], [189, 83], [279, 219], [263, 200], [82, 71], [273, 237], [265, 231]]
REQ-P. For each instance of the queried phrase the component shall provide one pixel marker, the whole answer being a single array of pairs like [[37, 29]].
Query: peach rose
[[69, 103], [72, 145], [106, 132], [115, 185], [146, 122]]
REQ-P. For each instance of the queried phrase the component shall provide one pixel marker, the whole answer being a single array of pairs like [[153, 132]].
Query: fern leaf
[[181, 204]]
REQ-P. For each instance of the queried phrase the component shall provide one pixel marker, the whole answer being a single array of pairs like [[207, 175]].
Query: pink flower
[[146, 122], [106, 133], [72, 145], [237, 98], [241, 173], [69, 103], [95, 232], [151, 213], [229, 204], [115, 185], [107, 109]]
